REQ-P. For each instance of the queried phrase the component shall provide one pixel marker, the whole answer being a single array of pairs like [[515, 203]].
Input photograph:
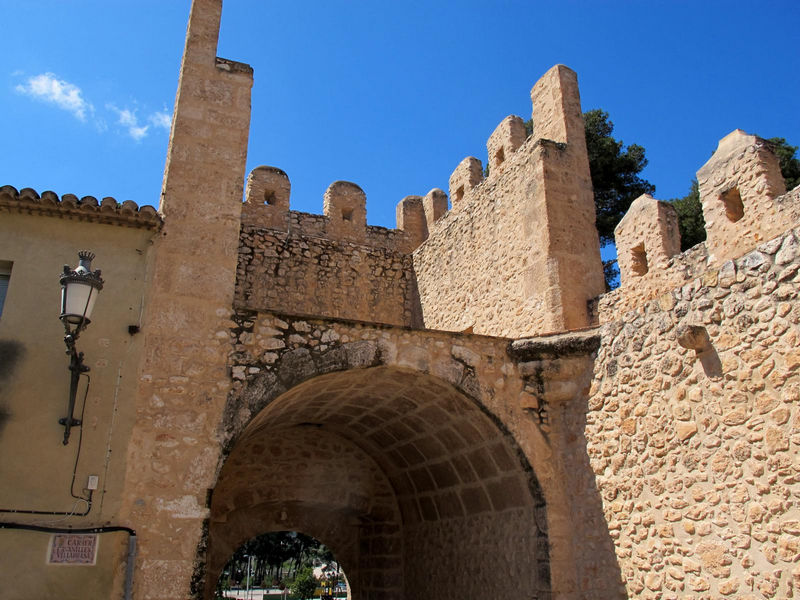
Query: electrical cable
[[103, 529], [88, 500], [80, 444]]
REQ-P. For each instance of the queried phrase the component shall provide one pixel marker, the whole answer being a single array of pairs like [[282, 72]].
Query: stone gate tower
[[451, 405]]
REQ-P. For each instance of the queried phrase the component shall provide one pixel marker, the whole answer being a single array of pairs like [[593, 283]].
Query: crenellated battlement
[[738, 188], [647, 237], [465, 178], [395, 393], [332, 264], [503, 260], [744, 206], [344, 215]]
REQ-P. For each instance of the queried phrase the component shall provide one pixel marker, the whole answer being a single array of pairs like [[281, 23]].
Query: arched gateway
[[414, 485], [320, 383]]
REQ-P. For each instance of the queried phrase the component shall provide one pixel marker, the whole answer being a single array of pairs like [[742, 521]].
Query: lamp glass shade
[[77, 302]]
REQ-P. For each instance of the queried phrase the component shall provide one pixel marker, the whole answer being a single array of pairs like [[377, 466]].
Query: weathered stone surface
[[556, 461], [429, 453], [646, 237], [485, 266], [693, 337], [709, 430], [737, 185]]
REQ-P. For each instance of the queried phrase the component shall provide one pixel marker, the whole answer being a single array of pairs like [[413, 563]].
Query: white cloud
[[138, 133], [48, 88], [127, 118], [161, 119]]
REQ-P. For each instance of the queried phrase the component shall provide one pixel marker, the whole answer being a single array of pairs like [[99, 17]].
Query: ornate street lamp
[[79, 290]]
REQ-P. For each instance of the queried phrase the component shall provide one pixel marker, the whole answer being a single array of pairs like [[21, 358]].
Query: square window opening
[[732, 200]]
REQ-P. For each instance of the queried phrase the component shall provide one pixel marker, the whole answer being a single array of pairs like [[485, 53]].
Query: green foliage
[[529, 127], [611, 274], [304, 584], [790, 165], [615, 173], [272, 556], [690, 218]]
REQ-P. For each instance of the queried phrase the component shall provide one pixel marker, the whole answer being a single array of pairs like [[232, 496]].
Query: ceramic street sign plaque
[[72, 549]]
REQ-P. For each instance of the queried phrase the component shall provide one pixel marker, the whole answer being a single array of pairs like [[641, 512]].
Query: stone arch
[[406, 477], [293, 493]]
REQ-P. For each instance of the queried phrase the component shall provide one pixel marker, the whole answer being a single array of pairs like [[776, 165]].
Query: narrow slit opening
[[639, 259]]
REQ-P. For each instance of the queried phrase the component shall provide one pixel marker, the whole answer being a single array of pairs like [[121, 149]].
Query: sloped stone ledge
[[562, 345], [106, 211]]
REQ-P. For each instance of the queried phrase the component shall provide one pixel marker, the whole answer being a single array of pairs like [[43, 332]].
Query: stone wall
[[183, 376], [504, 260], [692, 426], [305, 274], [470, 276], [499, 554], [333, 264], [744, 204]]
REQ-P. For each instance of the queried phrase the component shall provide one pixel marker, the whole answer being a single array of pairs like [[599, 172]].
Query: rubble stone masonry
[[303, 274], [693, 432]]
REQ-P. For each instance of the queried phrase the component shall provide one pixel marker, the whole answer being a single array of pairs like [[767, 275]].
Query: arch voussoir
[[431, 464]]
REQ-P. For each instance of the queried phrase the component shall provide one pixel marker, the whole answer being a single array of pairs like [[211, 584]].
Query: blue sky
[[388, 95]]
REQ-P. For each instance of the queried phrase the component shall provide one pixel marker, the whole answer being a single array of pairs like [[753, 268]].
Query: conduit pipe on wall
[[129, 566], [107, 529]]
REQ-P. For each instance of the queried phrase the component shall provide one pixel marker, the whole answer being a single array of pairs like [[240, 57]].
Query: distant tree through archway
[[279, 563]]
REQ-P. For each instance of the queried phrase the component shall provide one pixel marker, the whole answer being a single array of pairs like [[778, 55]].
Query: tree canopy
[[304, 584], [790, 164], [615, 173], [273, 557], [691, 223]]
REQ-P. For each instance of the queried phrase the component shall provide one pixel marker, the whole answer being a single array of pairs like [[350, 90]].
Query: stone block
[[504, 141], [267, 198], [557, 112], [435, 205], [268, 186], [738, 186], [345, 205], [646, 237], [411, 219], [467, 175], [475, 500], [693, 337]]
